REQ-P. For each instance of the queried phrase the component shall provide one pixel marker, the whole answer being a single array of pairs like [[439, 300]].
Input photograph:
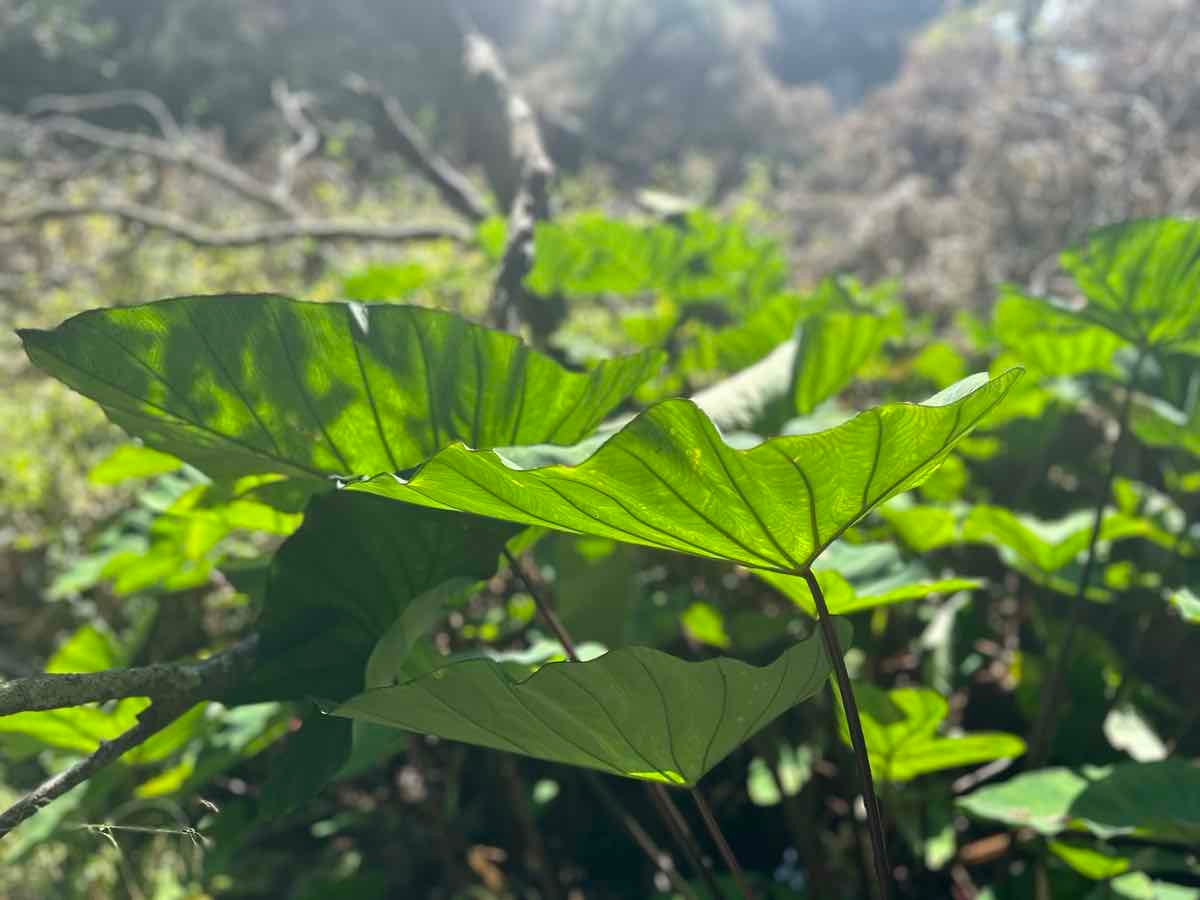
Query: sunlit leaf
[[635, 712], [766, 778], [1050, 340], [1141, 280], [1157, 801], [1188, 605], [698, 259], [900, 727], [1158, 424], [705, 623], [741, 345], [132, 461], [668, 480], [249, 384]]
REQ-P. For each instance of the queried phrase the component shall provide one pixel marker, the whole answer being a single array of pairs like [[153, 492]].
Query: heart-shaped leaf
[[668, 480], [635, 712], [249, 384]]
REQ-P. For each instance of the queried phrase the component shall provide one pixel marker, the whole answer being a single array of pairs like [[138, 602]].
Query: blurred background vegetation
[[153, 149]]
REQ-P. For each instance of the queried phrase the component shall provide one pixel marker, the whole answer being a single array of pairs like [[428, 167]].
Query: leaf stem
[[663, 803], [714, 831], [682, 834], [833, 647], [660, 859], [1047, 719]]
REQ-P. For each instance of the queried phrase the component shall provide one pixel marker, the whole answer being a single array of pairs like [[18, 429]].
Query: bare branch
[[453, 186], [252, 235], [204, 678], [183, 155], [521, 153], [73, 104], [172, 692], [294, 107], [153, 719]]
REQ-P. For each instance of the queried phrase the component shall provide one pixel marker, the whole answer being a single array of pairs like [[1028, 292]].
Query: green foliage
[[700, 259], [1157, 801], [845, 329], [379, 622], [256, 384], [671, 482], [336, 586], [901, 731], [635, 712]]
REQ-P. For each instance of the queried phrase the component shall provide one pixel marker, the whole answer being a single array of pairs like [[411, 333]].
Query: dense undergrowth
[[1011, 563]]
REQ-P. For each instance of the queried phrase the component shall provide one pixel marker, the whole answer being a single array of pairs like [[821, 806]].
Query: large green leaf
[[900, 727], [249, 384], [635, 712], [668, 480], [1157, 801], [341, 581], [1142, 281]]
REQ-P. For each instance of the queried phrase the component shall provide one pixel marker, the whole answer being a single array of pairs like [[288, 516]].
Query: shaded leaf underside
[[339, 582], [635, 712]]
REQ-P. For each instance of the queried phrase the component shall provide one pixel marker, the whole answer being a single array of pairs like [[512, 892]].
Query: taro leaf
[[1100, 861], [340, 582], [1050, 340], [845, 332], [1142, 281], [901, 725], [635, 712], [1157, 801], [668, 480], [251, 384], [309, 759]]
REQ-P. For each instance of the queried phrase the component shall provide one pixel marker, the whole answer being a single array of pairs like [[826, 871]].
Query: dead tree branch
[[293, 107], [251, 235], [521, 173], [173, 690], [204, 678], [406, 139], [74, 104], [183, 155]]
